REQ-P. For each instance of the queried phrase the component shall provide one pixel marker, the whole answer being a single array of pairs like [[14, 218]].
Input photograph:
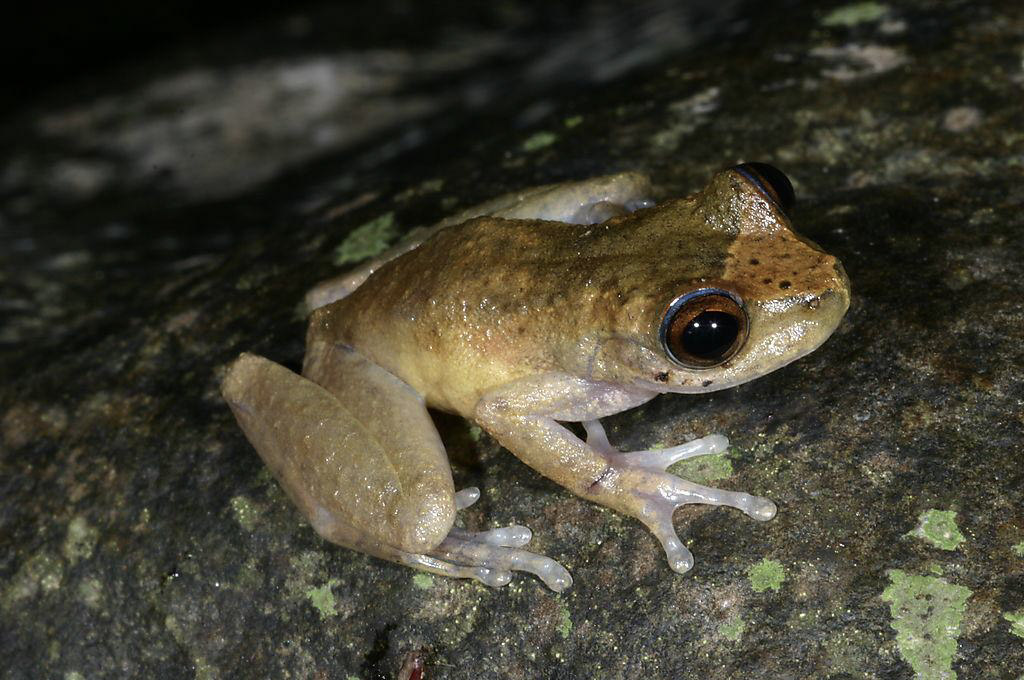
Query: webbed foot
[[658, 493], [491, 556]]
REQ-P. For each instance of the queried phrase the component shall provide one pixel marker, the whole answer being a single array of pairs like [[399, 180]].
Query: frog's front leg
[[656, 458], [356, 451], [524, 417]]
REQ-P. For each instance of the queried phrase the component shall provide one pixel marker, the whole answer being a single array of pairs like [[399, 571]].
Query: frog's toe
[[495, 578], [597, 439], [491, 556], [762, 509], [682, 492], [667, 492], [680, 559], [499, 550], [661, 459], [515, 536], [466, 497]]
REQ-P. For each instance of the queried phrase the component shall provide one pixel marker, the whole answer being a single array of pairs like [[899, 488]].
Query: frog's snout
[[834, 299], [841, 289], [830, 305]]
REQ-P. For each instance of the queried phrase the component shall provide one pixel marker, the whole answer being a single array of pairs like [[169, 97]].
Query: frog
[[560, 304]]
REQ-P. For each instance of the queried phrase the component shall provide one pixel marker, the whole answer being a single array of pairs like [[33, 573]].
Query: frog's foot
[[660, 493], [491, 556]]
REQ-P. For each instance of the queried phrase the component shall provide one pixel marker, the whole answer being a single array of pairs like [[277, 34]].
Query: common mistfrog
[[562, 303]]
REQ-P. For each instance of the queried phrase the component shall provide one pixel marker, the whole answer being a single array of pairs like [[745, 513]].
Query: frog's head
[[757, 295]]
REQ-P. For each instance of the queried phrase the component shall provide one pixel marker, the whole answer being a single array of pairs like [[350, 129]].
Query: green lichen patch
[[564, 620], [80, 540], [305, 570], [428, 186], [90, 592], [766, 574], [245, 512], [857, 13], [1019, 549], [733, 629], [322, 599], [684, 117], [539, 140], [939, 528], [926, 614], [204, 669], [703, 469], [367, 240], [572, 121], [1016, 620], [423, 581], [174, 627], [41, 572]]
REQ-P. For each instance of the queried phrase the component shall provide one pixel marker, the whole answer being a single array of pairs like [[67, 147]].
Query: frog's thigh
[[587, 201], [358, 454]]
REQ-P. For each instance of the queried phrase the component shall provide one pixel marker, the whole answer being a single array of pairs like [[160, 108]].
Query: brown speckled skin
[[490, 301]]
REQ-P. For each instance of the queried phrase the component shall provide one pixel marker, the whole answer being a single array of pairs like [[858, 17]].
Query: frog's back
[[490, 300], [468, 308]]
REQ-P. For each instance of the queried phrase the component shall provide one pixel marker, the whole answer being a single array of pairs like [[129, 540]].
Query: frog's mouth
[[769, 347]]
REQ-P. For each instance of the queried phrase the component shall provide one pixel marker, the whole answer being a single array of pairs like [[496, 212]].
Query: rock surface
[[141, 537]]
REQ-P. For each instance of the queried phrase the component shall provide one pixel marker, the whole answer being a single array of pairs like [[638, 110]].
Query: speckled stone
[[141, 537]]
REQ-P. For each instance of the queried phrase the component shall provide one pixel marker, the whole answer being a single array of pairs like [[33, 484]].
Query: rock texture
[[140, 536]]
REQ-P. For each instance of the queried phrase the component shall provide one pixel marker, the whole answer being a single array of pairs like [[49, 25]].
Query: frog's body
[[518, 323]]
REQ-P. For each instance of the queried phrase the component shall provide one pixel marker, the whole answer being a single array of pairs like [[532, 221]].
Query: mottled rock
[[141, 537]]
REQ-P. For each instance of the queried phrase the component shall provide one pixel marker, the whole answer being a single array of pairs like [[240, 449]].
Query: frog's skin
[[519, 323]]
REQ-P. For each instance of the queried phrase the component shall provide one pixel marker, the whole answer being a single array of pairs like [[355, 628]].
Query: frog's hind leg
[[587, 201], [359, 456]]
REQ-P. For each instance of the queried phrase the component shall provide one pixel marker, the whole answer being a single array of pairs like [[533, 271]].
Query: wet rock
[[141, 536]]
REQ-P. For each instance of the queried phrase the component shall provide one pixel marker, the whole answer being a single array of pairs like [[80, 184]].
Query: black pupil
[[710, 334]]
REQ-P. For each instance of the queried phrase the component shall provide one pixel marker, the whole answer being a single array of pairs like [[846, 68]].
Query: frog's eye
[[704, 328], [772, 182]]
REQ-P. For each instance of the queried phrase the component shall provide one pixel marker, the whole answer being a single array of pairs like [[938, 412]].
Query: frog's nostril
[[771, 181], [833, 303]]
